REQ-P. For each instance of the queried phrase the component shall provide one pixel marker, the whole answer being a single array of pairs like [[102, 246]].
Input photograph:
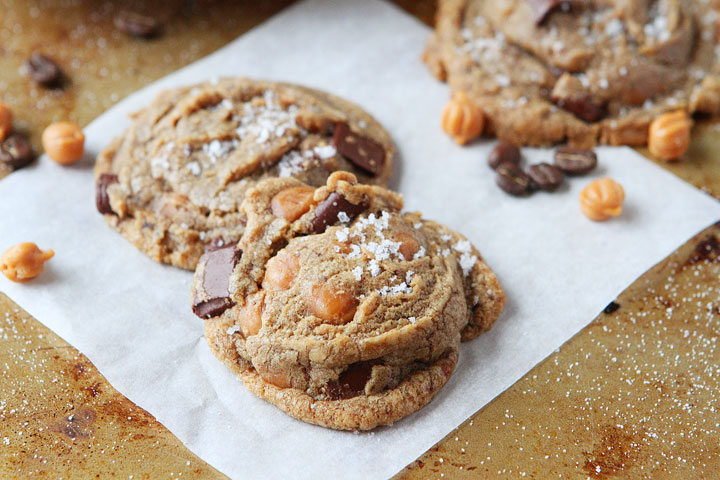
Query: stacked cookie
[[315, 288]]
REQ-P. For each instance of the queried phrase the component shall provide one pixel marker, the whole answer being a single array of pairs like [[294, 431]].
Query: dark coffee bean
[[584, 108], [512, 179], [612, 307], [137, 25], [575, 161], [546, 177], [363, 152], [44, 70], [102, 201], [16, 151], [327, 211], [504, 152], [543, 8], [214, 295]]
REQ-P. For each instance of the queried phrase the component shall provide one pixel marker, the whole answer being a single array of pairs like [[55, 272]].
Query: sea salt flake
[[467, 262], [343, 217], [412, 319], [233, 329], [194, 168], [357, 271], [326, 151], [420, 253], [343, 234], [373, 268]]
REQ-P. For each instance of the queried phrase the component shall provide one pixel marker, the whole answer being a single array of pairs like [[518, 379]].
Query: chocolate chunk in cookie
[[102, 201], [212, 297], [362, 151], [335, 207]]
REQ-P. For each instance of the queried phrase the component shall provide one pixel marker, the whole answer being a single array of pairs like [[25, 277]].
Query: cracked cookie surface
[[579, 71], [173, 183], [347, 312]]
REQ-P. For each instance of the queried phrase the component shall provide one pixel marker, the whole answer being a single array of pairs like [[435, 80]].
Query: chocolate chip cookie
[[339, 308], [583, 72], [173, 183]]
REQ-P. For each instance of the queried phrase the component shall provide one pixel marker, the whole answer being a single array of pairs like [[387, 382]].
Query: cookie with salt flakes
[[338, 307], [173, 183]]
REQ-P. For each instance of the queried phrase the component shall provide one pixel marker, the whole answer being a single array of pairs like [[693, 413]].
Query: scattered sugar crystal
[[233, 329], [408, 276], [412, 319], [420, 253], [354, 251], [604, 84], [357, 271], [445, 252], [343, 217], [446, 237], [418, 225], [623, 71]]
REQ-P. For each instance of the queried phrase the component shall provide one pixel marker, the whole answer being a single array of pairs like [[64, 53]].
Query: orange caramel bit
[[292, 203]]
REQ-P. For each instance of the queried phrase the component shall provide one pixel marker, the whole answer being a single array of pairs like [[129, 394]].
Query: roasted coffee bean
[[44, 70], [543, 8], [611, 308], [137, 25], [329, 211], [363, 152], [16, 152], [504, 152], [102, 201], [217, 266], [512, 179], [546, 177], [583, 108], [575, 161]]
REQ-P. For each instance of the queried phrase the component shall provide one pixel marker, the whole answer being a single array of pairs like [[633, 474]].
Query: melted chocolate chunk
[[16, 151], [363, 152], [102, 201], [543, 8], [352, 381], [218, 266], [583, 108], [327, 211]]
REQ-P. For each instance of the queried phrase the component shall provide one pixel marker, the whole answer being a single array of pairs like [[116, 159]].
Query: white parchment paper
[[131, 316]]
